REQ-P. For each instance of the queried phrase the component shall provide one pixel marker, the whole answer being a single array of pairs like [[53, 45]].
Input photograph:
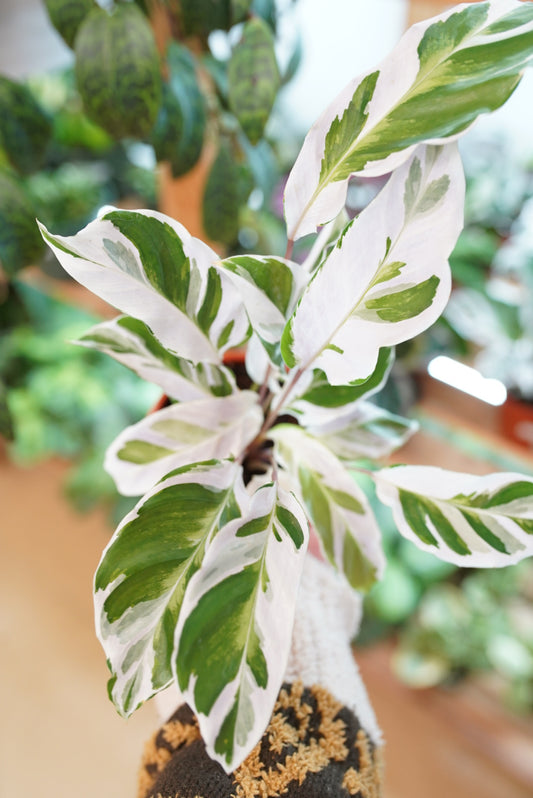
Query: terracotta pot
[[516, 421]]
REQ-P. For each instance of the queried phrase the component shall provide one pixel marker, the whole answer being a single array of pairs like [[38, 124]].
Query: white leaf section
[[475, 521], [388, 278], [179, 435]]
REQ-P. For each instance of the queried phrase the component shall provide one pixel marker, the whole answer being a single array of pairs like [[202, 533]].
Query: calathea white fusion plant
[[199, 581]]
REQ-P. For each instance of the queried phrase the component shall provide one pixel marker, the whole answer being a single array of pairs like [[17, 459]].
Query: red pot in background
[[516, 421]]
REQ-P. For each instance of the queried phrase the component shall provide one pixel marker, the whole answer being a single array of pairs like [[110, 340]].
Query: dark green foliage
[[200, 17], [178, 136], [20, 240], [117, 71], [6, 422], [254, 78], [67, 15], [222, 198], [24, 127]]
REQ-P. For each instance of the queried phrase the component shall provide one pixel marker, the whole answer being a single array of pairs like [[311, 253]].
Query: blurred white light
[[468, 380]]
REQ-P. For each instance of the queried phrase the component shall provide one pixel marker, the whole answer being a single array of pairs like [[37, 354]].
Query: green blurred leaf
[[20, 241], [221, 200], [253, 78], [24, 127], [117, 71], [67, 15]]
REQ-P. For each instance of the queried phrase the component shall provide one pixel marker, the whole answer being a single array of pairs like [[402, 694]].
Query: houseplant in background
[[199, 583]]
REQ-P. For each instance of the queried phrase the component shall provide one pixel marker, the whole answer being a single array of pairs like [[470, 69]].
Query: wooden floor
[[60, 736]]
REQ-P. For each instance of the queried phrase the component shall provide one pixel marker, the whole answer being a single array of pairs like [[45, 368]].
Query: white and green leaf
[[477, 521], [388, 277], [132, 343], [149, 266], [179, 435], [363, 430], [144, 571], [314, 401], [335, 505], [270, 288], [235, 627], [443, 73]]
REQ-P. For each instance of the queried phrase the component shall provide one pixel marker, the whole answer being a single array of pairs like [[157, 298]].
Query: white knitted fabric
[[328, 614]]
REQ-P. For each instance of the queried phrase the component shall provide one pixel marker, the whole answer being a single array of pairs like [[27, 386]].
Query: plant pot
[[516, 421]]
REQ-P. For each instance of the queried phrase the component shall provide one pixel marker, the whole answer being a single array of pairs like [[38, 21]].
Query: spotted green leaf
[[378, 285], [133, 344], [67, 15], [335, 505], [117, 70], [20, 242], [25, 129], [144, 572], [201, 429], [234, 630], [150, 267], [253, 78], [178, 134], [478, 521], [443, 73]]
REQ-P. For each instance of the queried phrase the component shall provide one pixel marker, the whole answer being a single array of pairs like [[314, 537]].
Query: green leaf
[[441, 76], [25, 129], [117, 71], [144, 572], [178, 135], [133, 344], [253, 78], [201, 17], [20, 242], [406, 304], [335, 505], [468, 520], [221, 202], [181, 434], [67, 15], [235, 628]]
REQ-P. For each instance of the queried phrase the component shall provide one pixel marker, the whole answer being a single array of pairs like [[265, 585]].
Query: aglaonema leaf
[[477, 521], [145, 570], [379, 285], [443, 73], [131, 342], [234, 631], [150, 267], [335, 505], [179, 435]]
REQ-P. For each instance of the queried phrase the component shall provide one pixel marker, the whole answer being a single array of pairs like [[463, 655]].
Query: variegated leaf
[[363, 430], [388, 277], [443, 73], [314, 400], [270, 288], [132, 343], [149, 266], [478, 521], [180, 435], [145, 569], [234, 632], [335, 505]]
